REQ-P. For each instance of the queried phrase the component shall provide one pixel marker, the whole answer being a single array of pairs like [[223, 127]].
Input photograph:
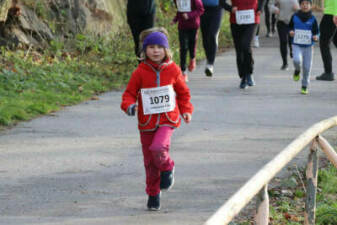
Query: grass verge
[[287, 199], [34, 83]]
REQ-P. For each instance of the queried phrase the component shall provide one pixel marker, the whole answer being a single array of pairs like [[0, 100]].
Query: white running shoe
[[209, 70], [256, 42], [185, 77]]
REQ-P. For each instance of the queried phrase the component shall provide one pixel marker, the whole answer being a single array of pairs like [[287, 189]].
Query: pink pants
[[155, 146]]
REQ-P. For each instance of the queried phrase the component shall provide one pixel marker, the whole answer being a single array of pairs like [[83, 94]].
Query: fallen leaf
[[287, 216]]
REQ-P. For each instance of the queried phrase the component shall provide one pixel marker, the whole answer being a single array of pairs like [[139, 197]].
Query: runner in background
[[328, 27], [140, 16], [304, 31], [210, 26], [269, 17], [283, 10], [245, 15], [188, 18]]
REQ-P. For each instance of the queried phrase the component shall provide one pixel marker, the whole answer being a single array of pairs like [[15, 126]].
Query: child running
[[158, 93], [303, 30], [188, 18]]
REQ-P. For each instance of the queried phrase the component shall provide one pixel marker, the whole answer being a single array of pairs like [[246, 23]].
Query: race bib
[[245, 16], [184, 5], [303, 37], [158, 100]]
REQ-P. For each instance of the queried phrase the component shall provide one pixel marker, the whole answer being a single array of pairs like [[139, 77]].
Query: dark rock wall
[[37, 22]]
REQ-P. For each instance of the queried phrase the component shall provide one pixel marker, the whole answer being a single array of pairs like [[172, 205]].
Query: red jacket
[[145, 76], [193, 21], [244, 5]]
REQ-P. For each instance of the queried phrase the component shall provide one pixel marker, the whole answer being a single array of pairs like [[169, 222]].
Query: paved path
[[83, 165]]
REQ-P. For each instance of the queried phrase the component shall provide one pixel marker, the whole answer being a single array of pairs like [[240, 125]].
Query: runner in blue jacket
[[304, 31]]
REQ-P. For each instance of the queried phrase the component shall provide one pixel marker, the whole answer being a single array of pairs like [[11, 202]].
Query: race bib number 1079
[[158, 100]]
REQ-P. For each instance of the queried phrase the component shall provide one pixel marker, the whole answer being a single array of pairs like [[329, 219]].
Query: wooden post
[[311, 175], [262, 207], [238, 200], [328, 150]]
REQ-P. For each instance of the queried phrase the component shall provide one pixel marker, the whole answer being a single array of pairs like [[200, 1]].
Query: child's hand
[[234, 9], [185, 16], [187, 117], [315, 38], [132, 109], [291, 33]]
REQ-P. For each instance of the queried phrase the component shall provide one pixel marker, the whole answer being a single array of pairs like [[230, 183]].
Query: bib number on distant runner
[[184, 5], [303, 37], [245, 16], [158, 100]]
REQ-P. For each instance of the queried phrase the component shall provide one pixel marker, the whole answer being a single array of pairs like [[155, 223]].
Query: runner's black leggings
[[267, 18], [257, 30], [283, 33], [137, 24], [243, 36], [328, 33], [188, 42], [210, 25]]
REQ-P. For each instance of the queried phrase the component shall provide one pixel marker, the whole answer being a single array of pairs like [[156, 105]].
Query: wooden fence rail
[[259, 182]]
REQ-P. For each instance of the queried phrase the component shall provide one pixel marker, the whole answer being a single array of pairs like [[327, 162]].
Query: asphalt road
[[83, 165]]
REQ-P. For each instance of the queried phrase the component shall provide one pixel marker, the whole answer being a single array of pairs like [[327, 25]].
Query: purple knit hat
[[156, 38]]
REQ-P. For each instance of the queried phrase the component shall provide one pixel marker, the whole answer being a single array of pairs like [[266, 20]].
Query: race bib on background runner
[[158, 100], [245, 16], [303, 37], [184, 5]]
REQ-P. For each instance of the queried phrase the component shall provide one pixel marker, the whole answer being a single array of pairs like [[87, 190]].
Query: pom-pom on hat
[[156, 38]]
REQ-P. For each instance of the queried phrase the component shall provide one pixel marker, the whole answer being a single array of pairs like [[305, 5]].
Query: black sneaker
[[326, 76], [284, 67], [304, 90], [250, 80], [166, 180], [243, 83], [209, 70], [153, 203]]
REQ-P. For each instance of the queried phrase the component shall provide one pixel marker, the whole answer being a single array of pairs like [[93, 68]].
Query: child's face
[[305, 6], [155, 53]]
